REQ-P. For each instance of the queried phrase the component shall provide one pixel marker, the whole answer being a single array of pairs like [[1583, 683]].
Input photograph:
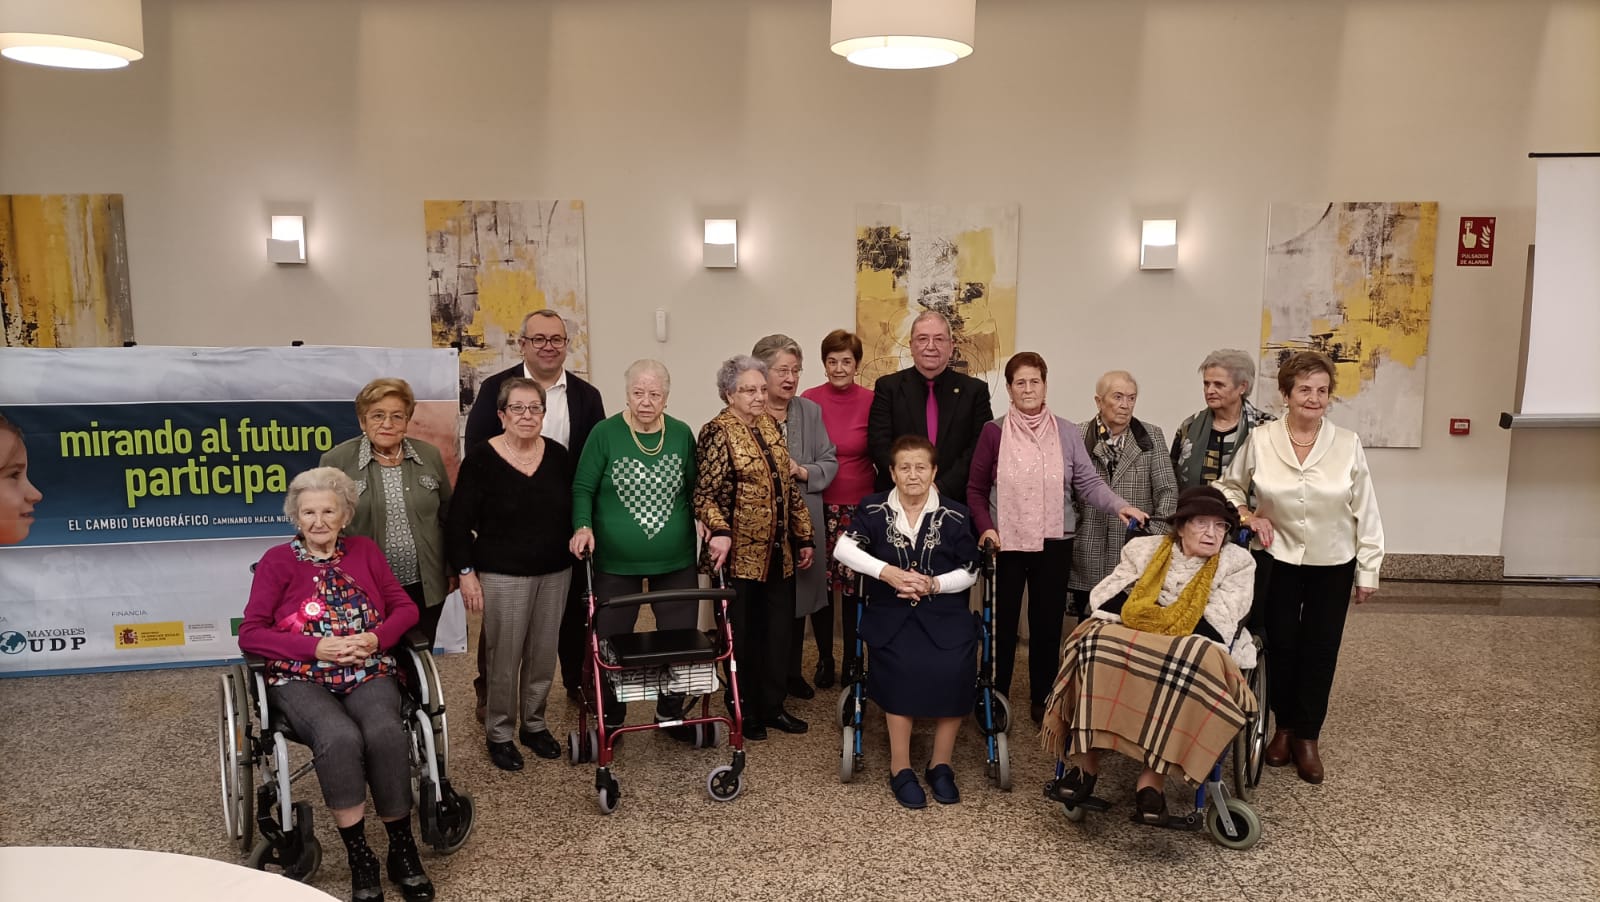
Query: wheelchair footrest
[[1194, 820]]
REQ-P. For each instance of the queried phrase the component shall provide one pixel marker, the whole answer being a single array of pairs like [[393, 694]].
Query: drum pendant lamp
[[72, 34], [903, 34]]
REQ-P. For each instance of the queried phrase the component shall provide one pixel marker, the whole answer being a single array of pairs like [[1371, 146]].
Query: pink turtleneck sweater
[[844, 415]]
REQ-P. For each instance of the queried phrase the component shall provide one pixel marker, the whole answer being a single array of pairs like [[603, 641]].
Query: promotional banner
[[161, 474]]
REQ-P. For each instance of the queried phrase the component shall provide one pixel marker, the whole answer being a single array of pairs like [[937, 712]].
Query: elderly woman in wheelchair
[[326, 617], [1139, 676]]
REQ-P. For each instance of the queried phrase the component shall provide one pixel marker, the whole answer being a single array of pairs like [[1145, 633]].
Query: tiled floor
[[1463, 752]]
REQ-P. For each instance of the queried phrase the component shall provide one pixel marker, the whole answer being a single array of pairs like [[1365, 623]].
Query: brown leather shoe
[[1277, 754], [1307, 763]]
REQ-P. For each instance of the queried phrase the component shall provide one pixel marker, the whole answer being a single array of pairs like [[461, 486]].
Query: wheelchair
[[251, 733]]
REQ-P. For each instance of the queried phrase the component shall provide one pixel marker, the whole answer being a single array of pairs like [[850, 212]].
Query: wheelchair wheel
[[707, 735], [1245, 822], [234, 757], [847, 707], [1254, 759], [1001, 713], [847, 754], [265, 857], [446, 818]]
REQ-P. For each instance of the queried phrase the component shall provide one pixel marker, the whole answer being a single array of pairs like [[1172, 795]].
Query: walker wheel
[[1002, 755], [606, 798], [1246, 825], [1074, 813], [707, 735], [722, 784], [847, 754]]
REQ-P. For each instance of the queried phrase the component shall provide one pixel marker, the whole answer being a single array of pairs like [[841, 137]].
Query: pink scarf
[[1031, 480]]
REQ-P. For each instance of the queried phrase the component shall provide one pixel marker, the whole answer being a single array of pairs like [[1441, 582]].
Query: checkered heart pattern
[[648, 492]]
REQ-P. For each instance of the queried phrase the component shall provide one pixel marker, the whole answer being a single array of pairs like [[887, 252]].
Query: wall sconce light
[[1159, 247], [72, 34], [288, 241], [722, 244]]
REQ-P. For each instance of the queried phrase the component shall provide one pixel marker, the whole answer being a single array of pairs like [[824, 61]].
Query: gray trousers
[[356, 739], [521, 629]]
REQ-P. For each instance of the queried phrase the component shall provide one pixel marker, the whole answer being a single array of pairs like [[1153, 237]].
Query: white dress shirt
[[1323, 511], [855, 557], [557, 417]]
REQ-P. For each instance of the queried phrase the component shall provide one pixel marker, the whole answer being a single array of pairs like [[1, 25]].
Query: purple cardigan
[[282, 582], [1082, 478]]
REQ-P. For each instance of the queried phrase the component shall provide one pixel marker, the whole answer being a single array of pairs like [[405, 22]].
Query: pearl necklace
[[1299, 444], [394, 458], [524, 462]]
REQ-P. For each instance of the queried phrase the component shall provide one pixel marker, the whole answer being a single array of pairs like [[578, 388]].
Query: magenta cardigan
[[1082, 479], [282, 582], [844, 416]]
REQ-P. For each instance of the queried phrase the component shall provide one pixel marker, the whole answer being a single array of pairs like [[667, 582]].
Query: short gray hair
[[647, 365], [321, 479], [934, 314], [1241, 369], [1104, 382], [768, 349], [728, 374], [566, 327]]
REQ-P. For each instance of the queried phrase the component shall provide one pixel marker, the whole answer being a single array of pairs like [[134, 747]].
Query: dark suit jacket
[[900, 407], [584, 409]]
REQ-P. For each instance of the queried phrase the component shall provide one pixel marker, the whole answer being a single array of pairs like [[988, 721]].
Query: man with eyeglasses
[[933, 400], [572, 409]]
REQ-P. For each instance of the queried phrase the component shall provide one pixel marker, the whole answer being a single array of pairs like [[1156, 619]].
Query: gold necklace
[[1299, 444], [627, 420]]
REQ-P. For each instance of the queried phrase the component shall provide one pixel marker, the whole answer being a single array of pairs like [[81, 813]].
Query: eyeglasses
[[1214, 526], [784, 372], [541, 341], [379, 418], [517, 410], [749, 390]]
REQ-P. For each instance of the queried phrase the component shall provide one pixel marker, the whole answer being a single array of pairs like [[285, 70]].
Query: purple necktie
[[933, 415]]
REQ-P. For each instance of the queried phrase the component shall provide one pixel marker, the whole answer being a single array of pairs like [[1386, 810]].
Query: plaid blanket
[[1172, 703]]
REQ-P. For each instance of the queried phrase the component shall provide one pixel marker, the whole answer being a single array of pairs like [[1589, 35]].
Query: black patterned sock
[[362, 858], [401, 841]]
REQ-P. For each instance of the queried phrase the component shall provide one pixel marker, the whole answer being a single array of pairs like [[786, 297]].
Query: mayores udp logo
[[69, 638]]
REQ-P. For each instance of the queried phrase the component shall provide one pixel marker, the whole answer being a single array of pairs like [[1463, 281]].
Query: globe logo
[[12, 642]]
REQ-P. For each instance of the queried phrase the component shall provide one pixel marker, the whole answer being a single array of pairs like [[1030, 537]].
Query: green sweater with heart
[[633, 490]]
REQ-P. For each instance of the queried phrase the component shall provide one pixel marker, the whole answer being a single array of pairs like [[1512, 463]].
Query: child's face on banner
[[17, 494]]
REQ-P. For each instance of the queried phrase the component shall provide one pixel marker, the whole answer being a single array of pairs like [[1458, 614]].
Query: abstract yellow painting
[[1355, 281], [959, 261], [64, 271], [490, 263]]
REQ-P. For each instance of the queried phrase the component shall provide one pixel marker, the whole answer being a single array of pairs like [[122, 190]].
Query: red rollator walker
[[646, 666]]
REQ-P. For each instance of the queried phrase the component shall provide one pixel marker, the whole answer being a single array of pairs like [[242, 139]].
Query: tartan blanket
[[1172, 703]]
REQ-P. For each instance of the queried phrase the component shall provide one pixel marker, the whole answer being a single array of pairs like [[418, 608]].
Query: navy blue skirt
[[923, 660]]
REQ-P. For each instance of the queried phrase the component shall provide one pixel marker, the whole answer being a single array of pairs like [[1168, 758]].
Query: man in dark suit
[[572, 408], [932, 400]]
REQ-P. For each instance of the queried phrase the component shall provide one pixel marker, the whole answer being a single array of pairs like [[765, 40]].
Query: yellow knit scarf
[[1143, 610]]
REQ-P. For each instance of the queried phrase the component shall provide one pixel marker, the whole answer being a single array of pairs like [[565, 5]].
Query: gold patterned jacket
[[738, 494]]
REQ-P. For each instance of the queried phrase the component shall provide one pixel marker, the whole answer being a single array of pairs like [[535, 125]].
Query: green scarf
[[1143, 610]]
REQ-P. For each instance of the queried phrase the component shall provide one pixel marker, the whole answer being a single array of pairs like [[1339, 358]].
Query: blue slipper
[[907, 791], [942, 780]]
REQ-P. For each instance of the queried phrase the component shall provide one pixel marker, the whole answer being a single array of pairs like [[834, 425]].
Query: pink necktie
[[933, 415]]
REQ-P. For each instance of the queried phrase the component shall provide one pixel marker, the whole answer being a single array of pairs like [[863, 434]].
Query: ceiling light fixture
[[72, 34], [903, 34]]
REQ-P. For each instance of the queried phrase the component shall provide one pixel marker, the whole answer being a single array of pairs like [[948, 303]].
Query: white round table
[[70, 874]]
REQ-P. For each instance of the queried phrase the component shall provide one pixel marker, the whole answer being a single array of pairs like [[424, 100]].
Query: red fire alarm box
[[1460, 426]]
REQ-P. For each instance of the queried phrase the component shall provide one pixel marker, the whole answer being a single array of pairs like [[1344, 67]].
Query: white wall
[[1091, 115]]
